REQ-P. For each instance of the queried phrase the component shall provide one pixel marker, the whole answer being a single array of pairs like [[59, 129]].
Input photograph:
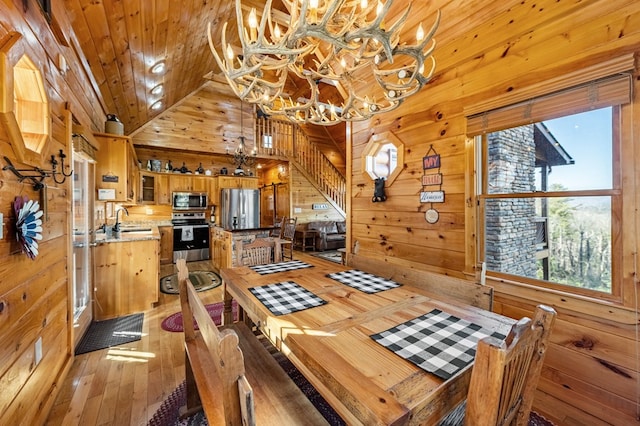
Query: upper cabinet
[[188, 183], [237, 182], [116, 169], [154, 188]]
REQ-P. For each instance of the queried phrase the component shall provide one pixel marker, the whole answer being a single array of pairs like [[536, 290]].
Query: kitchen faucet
[[116, 227]]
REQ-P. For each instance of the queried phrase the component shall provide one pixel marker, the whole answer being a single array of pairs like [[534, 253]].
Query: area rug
[[173, 322], [333, 255], [112, 332], [201, 280]]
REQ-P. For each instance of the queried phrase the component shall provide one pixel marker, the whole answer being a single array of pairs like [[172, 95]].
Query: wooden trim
[[615, 90], [578, 77]]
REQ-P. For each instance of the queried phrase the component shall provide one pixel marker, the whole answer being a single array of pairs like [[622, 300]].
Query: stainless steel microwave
[[189, 200]]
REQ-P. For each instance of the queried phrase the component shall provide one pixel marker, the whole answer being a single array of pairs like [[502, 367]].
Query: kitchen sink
[[135, 230]]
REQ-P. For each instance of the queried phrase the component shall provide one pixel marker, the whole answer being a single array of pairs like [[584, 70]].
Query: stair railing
[[285, 139]]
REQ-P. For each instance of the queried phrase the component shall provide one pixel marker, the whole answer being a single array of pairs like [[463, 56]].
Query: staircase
[[282, 138]]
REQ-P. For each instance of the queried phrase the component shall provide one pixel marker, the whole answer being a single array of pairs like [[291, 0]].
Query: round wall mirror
[[383, 157]]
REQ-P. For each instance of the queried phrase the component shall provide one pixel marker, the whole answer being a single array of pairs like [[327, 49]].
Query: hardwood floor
[[126, 385]]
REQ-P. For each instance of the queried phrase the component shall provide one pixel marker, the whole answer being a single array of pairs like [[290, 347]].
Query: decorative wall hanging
[[431, 161], [36, 175], [378, 193], [28, 225]]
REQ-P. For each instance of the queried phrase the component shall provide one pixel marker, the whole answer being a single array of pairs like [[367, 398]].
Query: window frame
[[604, 84], [615, 193]]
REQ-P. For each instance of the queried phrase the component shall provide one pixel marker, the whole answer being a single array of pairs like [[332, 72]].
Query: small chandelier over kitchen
[[241, 158], [343, 43]]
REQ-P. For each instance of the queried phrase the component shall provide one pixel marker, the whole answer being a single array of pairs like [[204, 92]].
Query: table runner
[[272, 268], [363, 281], [437, 342], [286, 297]]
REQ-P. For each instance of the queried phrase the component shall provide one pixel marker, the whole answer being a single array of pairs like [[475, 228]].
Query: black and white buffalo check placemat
[[286, 297], [272, 268], [363, 281], [436, 342]]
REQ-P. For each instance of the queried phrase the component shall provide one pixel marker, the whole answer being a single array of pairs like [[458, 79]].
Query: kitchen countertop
[[129, 234], [262, 228]]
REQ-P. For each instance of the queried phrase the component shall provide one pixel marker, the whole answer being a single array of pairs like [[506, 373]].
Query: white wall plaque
[[432, 197], [106, 194]]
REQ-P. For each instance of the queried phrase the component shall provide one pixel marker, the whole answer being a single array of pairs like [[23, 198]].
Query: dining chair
[[505, 375], [259, 252], [287, 236], [277, 230]]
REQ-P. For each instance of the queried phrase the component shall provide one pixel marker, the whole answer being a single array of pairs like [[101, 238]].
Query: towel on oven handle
[[187, 233]]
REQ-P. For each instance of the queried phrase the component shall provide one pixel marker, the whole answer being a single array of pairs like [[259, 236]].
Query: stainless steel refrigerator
[[239, 208]]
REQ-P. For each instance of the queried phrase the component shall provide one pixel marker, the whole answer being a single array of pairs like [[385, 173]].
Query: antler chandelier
[[344, 43]]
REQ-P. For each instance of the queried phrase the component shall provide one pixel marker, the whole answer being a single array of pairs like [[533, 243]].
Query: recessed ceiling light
[[157, 105], [157, 90], [158, 68]]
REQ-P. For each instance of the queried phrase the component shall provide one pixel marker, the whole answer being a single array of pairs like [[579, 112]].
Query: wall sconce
[[37, 175]]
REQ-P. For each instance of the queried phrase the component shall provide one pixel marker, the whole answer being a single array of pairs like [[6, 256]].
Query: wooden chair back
[[227, 372], [288, 234], [259, 252], [289, 228], [277, 231], [505, 373]]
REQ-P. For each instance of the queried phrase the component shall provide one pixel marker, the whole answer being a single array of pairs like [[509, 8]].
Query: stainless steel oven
[[190, 236]]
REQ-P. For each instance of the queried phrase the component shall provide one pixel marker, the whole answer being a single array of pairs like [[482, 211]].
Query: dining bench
[[457, 289], [231, 375]]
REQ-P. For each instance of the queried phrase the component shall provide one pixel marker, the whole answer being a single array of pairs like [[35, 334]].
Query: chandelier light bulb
[[364, 4], [276, 33], [230, 53], [420, 33], [253, 24]]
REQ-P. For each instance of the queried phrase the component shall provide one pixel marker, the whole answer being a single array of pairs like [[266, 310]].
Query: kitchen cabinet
[[162, 189], [237, 182], [154, 188], [166, 244], [126, 277], [199, 183], [188, 183], [221, 248], [180, 183], [117, 167], [213, 191]]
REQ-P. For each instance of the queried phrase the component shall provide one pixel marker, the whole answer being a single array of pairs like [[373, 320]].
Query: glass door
[[82, 240]]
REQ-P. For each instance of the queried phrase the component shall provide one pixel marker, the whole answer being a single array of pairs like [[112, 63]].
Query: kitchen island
[[226, 245], [126, 272]]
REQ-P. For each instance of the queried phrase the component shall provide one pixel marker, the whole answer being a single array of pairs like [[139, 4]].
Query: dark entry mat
[[113, 332]]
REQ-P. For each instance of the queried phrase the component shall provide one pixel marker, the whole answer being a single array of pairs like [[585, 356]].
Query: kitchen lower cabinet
[[221, 250], [126, 278], [166, 244]]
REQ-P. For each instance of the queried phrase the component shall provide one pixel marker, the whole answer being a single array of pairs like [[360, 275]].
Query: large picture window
[[549, 192]]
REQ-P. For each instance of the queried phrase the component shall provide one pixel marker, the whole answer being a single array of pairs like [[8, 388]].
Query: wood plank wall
[[35, 295], [590, 375]]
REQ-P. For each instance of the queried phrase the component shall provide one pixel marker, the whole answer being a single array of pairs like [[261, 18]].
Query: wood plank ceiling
[[123, 40]]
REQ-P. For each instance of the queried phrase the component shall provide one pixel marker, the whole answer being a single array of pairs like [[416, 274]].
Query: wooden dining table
[[365, 382]]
